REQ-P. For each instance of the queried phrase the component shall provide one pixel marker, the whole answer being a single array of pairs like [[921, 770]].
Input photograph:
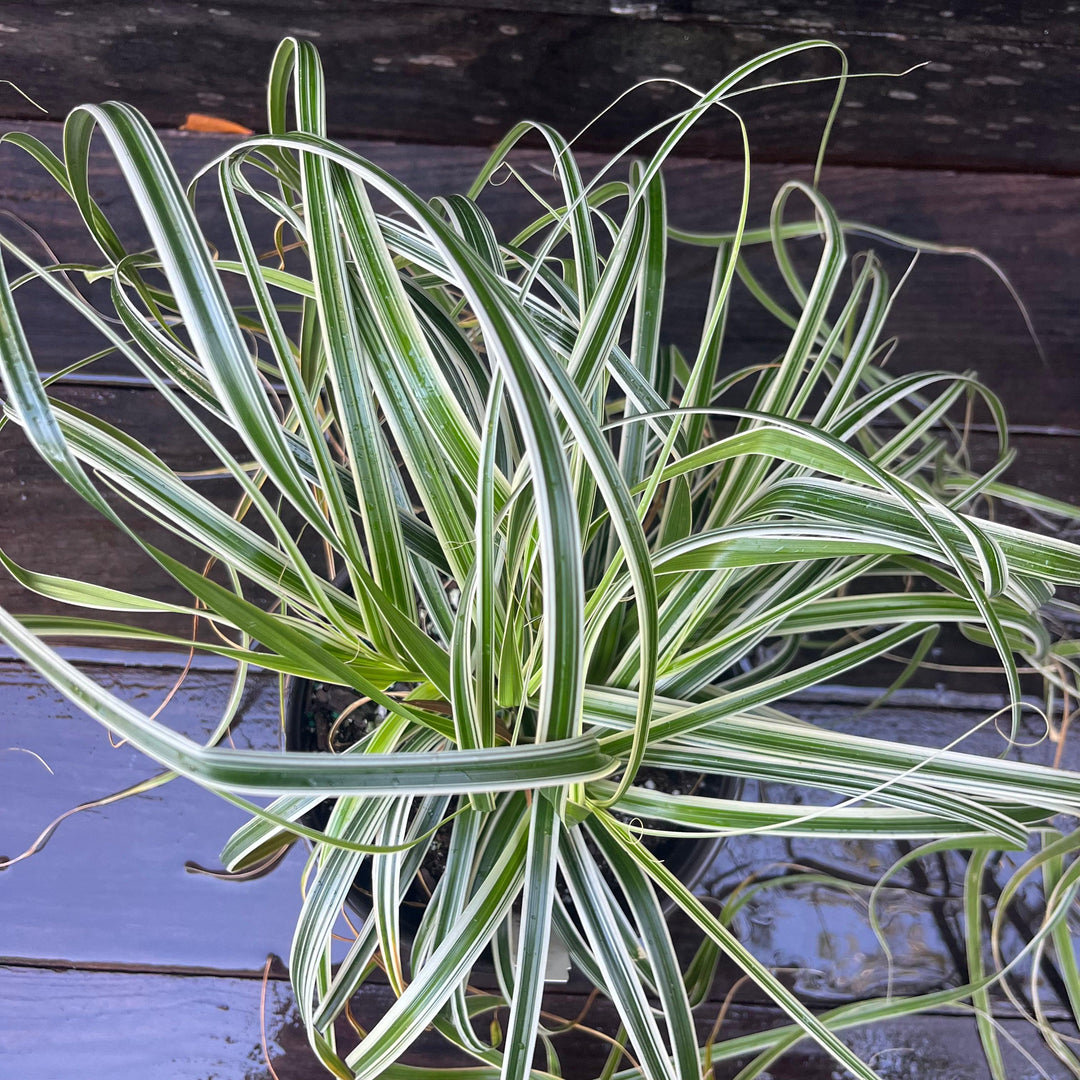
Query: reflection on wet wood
[[110, 886], [110, 892], [137, 906], [131, 1026]]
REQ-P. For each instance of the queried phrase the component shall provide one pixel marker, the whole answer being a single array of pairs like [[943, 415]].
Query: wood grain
[[98, 925], [997, 92], [970, 22], [953, 313], [47, 527]]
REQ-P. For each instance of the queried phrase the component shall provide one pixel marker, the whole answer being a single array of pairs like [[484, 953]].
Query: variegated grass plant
[[564, 538]]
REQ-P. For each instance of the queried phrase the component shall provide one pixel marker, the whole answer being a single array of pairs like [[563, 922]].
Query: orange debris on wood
[[214, 124]]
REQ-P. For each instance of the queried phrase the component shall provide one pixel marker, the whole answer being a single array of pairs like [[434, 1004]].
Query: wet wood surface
[[996, 91], [149, 964], [64, 903], [133, 1025], [111, 888]]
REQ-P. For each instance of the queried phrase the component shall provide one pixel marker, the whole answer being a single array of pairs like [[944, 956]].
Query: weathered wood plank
[[997, 93], [42, 517], [47, 527], [109, 892], [953, 313], [968, 22], [130, 1026]]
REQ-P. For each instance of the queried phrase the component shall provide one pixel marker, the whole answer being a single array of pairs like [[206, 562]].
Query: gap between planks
[[905, 698], [278, 973]]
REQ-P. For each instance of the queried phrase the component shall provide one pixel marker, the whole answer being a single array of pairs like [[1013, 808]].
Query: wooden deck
[[117, 954], [115, 958]]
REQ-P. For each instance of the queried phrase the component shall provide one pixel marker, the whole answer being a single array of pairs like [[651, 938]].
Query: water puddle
[[816, 926]]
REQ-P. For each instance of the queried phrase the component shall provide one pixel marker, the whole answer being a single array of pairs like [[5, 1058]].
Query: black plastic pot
[[688, 859], [301, 734]]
